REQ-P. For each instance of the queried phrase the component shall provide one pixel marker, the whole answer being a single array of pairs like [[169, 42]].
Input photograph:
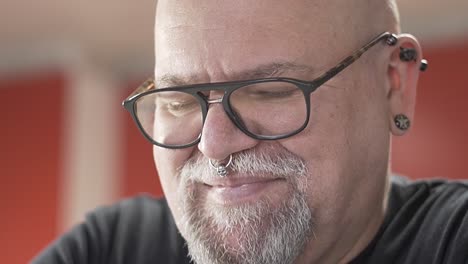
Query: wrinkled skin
[[346, 145]]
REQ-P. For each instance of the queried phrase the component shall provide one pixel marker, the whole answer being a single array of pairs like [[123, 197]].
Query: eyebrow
[[273, 69]]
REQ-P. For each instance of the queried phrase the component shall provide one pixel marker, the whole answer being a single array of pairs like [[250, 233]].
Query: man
[[273, 149]]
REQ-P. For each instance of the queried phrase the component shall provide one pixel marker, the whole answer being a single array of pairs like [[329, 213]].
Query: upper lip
[[236, 181]]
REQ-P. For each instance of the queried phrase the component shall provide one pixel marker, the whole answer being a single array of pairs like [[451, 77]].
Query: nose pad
[[214, 101]]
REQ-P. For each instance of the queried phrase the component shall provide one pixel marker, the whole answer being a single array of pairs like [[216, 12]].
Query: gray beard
[[260, 232]]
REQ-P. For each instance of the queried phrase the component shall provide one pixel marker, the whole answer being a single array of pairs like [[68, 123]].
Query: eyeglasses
[[264, 109]]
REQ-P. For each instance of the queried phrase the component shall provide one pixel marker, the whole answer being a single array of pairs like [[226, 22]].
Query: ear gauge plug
[[402, 122]]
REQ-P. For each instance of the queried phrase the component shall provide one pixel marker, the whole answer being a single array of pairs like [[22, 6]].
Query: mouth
[[232, 191]]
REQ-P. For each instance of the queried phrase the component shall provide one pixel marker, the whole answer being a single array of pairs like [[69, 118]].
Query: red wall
[[30, 159], [139, 175]]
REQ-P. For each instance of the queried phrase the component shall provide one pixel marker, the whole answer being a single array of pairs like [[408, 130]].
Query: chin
[[260, 231]]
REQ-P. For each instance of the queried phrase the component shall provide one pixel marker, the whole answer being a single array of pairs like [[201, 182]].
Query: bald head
[[375, 13], [234, 25], [383, 15]]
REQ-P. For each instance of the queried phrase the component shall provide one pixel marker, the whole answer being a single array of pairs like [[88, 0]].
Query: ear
[[402, 75]]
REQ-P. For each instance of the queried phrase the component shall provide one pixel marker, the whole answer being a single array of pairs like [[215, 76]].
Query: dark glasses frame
[[307, 87]]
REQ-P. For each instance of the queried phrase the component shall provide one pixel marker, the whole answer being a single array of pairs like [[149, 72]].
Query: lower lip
[[246, 192]]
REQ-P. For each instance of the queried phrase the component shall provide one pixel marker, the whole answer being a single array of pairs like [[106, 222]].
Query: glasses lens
[[169, 117], [270, 108]]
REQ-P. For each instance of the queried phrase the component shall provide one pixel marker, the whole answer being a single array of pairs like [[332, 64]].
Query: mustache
[[268, 162]]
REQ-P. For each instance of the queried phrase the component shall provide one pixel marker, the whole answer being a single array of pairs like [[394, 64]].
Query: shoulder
[[136, 230], [437, 184], [437, 198], [427, 221], [133, 220], [140, 212]]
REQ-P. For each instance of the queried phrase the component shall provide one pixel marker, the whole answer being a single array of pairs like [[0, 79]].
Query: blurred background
[[67, 146]]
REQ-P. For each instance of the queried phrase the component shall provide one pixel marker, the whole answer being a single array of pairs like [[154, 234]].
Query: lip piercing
[[220, 168]]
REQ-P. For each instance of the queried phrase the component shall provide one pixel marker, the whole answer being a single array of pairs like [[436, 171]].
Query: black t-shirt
[[426, 222]]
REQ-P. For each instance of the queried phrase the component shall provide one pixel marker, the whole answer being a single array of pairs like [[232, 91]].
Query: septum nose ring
[[220, 168]]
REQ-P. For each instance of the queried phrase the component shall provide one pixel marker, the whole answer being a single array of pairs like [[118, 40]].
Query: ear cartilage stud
[[407, 54], [424, 65]]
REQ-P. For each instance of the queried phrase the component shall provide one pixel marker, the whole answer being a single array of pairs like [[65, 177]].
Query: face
[[288, 200]]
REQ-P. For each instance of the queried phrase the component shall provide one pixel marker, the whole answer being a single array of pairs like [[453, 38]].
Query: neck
[[374, 223], [353, 240]]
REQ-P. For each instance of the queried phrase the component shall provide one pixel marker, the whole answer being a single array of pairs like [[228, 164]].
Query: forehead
[[212, 39]]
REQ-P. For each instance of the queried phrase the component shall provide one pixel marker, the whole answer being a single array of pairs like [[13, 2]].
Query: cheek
[[328, 184], [339, 150], [167, 163]]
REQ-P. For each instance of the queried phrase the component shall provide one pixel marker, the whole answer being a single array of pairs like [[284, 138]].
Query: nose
[[220, 137]]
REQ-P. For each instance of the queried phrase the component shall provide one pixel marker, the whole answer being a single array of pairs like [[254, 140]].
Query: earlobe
[[405, 63]]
